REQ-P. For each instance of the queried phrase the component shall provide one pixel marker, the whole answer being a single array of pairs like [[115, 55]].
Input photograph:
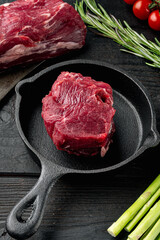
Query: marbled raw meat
[[34, 30], [78, 114]]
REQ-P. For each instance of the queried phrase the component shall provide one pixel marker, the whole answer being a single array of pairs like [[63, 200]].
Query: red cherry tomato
[[154, 20], [141, 10], [130, 2]]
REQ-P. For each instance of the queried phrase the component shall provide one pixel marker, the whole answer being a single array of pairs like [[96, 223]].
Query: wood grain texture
[[79, 206], [97, 48], [9, 78]]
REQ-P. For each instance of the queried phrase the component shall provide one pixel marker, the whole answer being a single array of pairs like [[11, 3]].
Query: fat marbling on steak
[[34, 30], [78, 114]]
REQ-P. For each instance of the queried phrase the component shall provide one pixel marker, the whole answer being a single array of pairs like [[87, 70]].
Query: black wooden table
[[81, 207]]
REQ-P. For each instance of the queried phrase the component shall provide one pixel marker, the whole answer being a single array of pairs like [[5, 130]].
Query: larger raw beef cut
[[34, 30], [78, 114]]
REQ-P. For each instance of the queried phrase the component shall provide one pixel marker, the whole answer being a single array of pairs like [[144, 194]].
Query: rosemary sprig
[[96, 17]]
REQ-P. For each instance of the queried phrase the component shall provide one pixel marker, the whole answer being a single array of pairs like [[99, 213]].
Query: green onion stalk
[[131, 212], [97, 18], [158, 237], [143, 211], [154, 232], [146, 222]]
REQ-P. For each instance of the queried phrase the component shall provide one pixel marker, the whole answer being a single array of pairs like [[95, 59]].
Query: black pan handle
[[15, 225]]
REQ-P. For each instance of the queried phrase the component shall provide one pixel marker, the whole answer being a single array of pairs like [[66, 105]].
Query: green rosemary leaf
[[96, 17], [157, 41]]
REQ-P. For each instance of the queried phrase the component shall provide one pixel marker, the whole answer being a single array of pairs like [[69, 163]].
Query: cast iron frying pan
[[135, 131]]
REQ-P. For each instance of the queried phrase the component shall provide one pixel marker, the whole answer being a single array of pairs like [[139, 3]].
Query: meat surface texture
[[34, 30], [78, 114]]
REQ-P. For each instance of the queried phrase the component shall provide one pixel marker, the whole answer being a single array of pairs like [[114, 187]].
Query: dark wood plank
[[12, 149], [13, 153], [9, 78], [79, 206]]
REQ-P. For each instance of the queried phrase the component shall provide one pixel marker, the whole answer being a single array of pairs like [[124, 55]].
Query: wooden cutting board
[[8, 79]]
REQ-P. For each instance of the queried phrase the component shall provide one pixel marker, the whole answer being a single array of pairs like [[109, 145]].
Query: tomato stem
[[154, 5]]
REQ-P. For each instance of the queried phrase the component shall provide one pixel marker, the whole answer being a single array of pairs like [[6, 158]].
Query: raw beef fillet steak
[[34, 30], [78, 114]]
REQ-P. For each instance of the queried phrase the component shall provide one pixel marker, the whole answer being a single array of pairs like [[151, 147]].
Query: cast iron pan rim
[[91, 62]]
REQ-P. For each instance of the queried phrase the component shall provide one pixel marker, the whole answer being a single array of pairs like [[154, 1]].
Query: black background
[[81, 206]]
